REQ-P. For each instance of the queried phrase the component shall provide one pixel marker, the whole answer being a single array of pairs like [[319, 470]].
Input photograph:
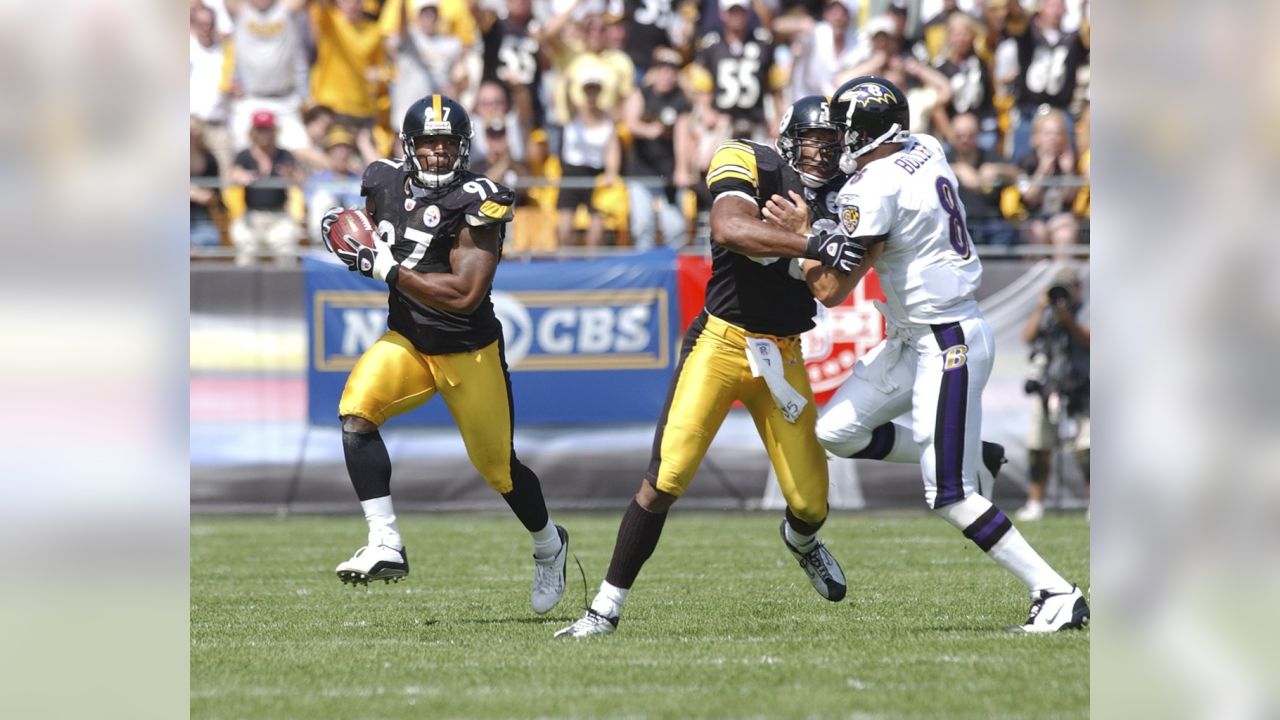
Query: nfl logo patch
[[409, 204]]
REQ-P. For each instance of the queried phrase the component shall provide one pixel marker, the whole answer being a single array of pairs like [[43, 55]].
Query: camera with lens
[[1059, 369]]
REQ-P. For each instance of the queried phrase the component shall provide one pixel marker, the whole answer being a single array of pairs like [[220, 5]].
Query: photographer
[[1059, 384]]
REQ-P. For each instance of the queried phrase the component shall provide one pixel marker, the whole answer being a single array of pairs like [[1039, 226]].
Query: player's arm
[[474, 261], [736, 223], [831, 287]]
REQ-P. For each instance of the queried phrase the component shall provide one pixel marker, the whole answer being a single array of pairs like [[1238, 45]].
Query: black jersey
[[758, 294], [648, 26], [1048, 69], [657, 156], [422, 225], [741, 73], [512, 57]]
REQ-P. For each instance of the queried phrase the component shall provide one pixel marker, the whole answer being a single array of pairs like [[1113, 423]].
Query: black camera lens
[[1058, 294]]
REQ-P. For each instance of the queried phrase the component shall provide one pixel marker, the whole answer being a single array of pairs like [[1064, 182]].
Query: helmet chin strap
[[813, 181], [849, 160]]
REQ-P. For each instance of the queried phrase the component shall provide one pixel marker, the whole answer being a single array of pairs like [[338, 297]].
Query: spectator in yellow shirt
[[350, 71]]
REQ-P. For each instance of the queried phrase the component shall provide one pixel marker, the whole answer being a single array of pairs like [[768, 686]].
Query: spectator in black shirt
[[1050, 183], [267, 223], [972, 90], [658, 115], [205, 200], [1047, 62], [982, 177]]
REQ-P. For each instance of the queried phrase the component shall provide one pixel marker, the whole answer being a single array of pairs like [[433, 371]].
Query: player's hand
[[375, 262], [835, 251], [790, 215], [326, 222]]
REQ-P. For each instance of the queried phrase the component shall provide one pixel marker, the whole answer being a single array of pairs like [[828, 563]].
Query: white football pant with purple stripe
[[935, 372]]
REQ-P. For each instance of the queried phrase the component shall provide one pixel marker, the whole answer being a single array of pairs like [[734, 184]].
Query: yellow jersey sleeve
[[733, 168]]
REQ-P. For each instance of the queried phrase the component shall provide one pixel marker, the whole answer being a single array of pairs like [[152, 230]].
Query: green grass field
[[721, 623]]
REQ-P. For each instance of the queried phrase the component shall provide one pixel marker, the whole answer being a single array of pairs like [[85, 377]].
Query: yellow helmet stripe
[[435, 106]]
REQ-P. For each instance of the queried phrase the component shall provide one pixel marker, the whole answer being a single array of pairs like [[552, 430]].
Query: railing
[[700, 245]]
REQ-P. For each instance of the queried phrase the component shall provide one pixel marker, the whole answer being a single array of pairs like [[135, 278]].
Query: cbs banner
[[586, 340]]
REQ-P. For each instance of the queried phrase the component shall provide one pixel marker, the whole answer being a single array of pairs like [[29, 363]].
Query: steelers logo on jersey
[[832, 206], [431, 216], [849, 219]]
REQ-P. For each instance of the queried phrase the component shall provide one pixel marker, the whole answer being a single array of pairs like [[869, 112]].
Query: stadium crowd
[[604, 113]]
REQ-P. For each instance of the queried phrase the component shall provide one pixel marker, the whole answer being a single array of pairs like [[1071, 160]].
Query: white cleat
[[1052, 612], [593, 623], [374, 562], [1031, 512], [821, 567], [548, 576]]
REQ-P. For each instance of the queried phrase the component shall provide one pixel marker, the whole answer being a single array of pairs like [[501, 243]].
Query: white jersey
[[928, 268]]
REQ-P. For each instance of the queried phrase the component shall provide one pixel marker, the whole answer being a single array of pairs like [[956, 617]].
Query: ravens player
[[937, 356], [439, 240], [745, 345]]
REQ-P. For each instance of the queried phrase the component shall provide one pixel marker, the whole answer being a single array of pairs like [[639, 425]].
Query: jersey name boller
[[914, 160]]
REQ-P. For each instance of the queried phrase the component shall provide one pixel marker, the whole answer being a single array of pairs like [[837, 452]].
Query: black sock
[[801, 527], [637, 537], [368, 464], [881, 444], [525, 497]]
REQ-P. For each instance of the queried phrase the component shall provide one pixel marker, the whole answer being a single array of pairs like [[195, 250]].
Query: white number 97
[[475, 188]]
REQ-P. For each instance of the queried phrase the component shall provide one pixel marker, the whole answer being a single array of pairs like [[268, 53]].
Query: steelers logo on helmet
[[810, 141], [436, 136]]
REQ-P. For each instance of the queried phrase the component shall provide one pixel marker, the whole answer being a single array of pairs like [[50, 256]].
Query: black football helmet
[[811, 112], [436, 115], [873, 112]]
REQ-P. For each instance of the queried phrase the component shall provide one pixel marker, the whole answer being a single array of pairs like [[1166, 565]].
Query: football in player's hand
[[351, 229]]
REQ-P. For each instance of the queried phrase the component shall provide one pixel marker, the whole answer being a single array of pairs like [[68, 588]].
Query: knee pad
[[843, 442]]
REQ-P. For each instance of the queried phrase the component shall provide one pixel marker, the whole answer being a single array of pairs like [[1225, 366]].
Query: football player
[[745, 345], [439, 239], [901, 201]]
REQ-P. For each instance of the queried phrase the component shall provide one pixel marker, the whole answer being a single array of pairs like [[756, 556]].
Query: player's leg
[[953, 367], [390, 378], [800, 464], [857, 422], [707, 379], [477, 388]]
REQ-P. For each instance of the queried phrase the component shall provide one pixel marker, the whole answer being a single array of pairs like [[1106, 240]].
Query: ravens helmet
[[436, 115], [873, 111], [821, 164]]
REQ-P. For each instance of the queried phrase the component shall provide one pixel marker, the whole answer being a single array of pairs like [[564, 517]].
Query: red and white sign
[[843, 333]]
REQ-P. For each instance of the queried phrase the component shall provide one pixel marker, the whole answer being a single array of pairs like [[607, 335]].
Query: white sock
[[546, 542], [803, 543], [382, 522], [1016, 555], [1012, 551], [609, 600]]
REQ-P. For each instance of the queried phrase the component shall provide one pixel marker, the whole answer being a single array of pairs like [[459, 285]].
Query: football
[[352, 229]]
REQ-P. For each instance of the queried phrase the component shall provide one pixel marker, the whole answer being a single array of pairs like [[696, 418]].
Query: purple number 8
[[951, 206]]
